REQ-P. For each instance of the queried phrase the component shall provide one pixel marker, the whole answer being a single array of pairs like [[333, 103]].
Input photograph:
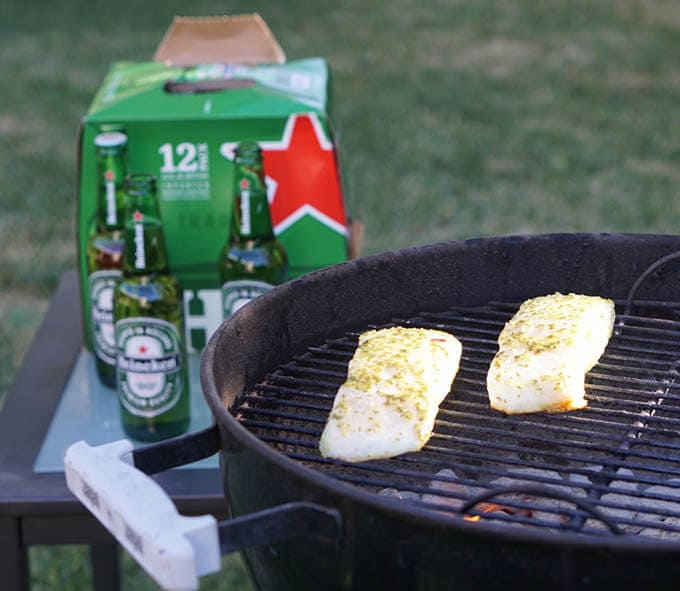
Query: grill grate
[[612, 468]]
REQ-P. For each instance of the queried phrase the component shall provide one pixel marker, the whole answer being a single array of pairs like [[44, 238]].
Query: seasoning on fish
[[545, 351], [395, 382]]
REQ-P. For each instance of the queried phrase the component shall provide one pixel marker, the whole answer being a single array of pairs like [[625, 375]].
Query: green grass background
[[455, 119]]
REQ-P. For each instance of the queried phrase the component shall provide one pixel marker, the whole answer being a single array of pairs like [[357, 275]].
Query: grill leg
[[14, 564], [105, 566]]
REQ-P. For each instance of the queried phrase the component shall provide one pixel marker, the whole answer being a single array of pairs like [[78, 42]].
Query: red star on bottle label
[[244, 184], [108, 175], [142, 349], [137, 216], [302, 175]]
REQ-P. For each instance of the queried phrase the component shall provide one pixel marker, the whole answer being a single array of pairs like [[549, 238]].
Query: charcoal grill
[[586, 499]]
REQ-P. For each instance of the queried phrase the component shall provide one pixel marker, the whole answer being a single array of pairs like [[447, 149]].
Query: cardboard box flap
[[243, 39]]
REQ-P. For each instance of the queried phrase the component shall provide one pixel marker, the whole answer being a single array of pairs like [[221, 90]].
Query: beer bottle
[[104, 251], [152, 375], [253, 260]]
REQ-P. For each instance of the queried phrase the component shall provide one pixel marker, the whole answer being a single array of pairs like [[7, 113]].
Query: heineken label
[[236, 294], [245, 207], [150, 376], [102, 284], [110, 192], [140, 247]]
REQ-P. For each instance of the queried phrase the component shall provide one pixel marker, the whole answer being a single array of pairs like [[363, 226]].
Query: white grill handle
[[175, 550]]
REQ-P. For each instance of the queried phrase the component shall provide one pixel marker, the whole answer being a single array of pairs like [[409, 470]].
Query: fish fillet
[[545, 351], [395, 382]]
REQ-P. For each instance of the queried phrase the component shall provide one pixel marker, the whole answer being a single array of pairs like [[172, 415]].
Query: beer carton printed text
[[184, 174]]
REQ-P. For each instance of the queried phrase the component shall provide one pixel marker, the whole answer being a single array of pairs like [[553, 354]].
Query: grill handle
[[541, 492], [653, 268], [112, 481]]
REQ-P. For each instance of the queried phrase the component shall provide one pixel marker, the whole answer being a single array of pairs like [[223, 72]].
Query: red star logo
[[302, 169], [137, 216], [142, 349], [244, 184], [108, 175]]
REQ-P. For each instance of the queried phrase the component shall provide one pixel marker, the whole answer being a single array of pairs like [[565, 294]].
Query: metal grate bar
[[621, 454]]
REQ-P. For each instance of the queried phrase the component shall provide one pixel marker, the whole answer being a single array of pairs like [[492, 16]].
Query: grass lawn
[[456, 119]]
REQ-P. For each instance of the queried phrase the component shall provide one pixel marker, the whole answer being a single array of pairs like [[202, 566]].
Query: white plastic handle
[[175, 550]]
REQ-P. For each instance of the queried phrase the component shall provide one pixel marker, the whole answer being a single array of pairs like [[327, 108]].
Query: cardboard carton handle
[[203, 86]]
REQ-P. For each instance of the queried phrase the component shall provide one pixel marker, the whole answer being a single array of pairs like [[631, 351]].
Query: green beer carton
[[213, 83]]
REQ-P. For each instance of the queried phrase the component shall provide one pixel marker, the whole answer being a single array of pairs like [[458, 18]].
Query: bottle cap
[[110, 139]]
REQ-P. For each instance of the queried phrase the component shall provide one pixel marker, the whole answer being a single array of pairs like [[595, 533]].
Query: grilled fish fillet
[[545, 351], [395, 382]]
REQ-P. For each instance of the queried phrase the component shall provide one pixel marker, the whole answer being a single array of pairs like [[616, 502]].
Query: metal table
[[55, 401]]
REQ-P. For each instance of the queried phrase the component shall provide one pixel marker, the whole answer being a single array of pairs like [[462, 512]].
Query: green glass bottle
[[104, 249], [253, 260], [152, 377]]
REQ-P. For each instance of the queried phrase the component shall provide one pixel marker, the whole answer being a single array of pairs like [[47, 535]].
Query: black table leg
[[14, 572], [105, 560]]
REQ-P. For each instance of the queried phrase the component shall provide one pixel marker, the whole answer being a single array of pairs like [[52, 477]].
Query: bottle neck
[[145, 251], [144, 248], [111, 201], [251, 218]]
